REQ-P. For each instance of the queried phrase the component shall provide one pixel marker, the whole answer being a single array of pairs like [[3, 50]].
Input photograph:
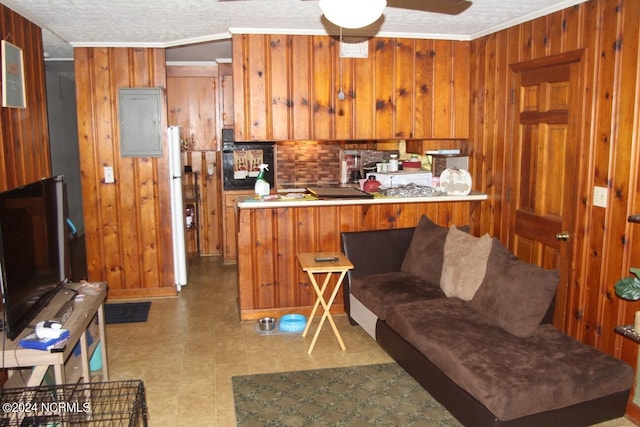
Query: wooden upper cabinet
[[286, 88], [191, 104], [225, 76]]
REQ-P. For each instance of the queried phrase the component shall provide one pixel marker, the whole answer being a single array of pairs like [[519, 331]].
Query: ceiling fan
[[355, 14], [449, 7], [362, 13]]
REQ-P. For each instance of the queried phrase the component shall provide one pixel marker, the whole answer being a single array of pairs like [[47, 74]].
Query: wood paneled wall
[[128, 223], [608, 32], [24, 135]]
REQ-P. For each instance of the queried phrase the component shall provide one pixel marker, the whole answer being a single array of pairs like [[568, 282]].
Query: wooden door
[[545, 168], [191, 99]]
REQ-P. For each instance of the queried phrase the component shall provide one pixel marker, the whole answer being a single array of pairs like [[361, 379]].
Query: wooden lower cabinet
[[229, 224], [270, 280]]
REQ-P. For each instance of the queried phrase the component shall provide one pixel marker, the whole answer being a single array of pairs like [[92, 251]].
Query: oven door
[[240, 163]]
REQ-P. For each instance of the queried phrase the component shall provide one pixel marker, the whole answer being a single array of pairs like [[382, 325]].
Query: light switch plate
[[108, 175], [600, 196]]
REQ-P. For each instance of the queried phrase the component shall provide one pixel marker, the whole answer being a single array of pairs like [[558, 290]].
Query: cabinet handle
[[564, 236]]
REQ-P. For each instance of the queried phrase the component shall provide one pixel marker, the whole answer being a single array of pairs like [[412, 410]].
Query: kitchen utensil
[[371, 185]]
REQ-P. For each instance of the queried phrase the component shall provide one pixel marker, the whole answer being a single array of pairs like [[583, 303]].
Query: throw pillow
[[424, 256], [464, 264], [514, 294]]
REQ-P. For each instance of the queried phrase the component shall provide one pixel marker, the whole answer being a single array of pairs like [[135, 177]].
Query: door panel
[[545, 162], [543, 148]]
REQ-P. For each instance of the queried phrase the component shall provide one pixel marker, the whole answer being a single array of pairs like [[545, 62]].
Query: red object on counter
[[411, 165], [371, 185]]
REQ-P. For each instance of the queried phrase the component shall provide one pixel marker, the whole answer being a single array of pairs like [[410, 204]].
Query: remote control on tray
[[326, 258]]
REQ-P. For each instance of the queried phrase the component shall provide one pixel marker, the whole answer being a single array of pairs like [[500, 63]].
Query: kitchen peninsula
[[271, 233]]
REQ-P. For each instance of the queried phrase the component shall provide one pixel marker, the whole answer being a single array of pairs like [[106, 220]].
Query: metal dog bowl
[[267, 323]]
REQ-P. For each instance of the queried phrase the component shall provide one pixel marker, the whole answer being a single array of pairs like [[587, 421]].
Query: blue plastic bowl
[[292, 323]]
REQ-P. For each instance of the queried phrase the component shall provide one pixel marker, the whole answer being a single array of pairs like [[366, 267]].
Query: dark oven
[[240, 162]]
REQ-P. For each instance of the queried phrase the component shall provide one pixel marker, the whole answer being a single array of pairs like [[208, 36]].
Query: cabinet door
[[225, 75], [384, 88], [191, 102], [405, 89], [451, 83], [229, 226]]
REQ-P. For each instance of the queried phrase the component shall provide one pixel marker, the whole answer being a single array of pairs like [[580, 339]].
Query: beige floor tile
[[226, 418]]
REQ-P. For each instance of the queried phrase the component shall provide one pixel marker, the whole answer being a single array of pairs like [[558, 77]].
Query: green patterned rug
[[380, 395]]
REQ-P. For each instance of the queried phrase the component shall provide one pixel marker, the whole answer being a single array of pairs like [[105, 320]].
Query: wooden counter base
[[270, 280]]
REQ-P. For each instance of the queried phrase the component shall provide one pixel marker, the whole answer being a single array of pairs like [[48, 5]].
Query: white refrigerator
[[177, 208]]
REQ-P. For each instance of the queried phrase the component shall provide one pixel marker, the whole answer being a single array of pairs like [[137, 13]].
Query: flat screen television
[[34, 250]]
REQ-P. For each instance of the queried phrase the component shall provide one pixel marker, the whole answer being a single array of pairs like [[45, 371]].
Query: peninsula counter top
[[250, 202], [271, 233]]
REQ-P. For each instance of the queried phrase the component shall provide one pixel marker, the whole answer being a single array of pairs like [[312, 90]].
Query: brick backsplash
[[304, 163]]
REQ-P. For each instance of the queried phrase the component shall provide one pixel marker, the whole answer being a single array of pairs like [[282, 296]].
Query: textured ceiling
[[197, 23]]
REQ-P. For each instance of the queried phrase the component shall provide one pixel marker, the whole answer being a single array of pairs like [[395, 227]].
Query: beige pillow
[[464, 264]]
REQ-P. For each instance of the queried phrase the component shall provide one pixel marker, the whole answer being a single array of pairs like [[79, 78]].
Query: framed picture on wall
[[13, 94]]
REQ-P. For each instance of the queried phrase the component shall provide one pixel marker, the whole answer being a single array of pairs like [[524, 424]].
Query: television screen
[[33, 250]]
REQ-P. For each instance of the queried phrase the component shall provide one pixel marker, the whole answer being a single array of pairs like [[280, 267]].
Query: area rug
[[126, 312], [375, 395]]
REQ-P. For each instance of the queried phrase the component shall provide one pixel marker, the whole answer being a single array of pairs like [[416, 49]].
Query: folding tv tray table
[[340, 265]]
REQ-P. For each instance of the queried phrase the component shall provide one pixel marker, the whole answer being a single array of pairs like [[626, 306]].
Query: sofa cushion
[[514, 294], [464, 263], [512, 376], [378, 292], [426, 251]]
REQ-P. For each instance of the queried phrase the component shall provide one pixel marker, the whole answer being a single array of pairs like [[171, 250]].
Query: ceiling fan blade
[[448, 7]]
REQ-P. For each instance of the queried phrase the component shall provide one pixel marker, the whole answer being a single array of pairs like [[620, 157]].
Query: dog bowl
[[267, 323], [292, 323]]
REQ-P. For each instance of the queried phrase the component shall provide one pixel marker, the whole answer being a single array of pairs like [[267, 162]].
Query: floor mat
[[127, 312], [373, 395]]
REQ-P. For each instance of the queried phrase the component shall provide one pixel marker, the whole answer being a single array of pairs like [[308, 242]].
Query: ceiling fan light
[[352, 13]]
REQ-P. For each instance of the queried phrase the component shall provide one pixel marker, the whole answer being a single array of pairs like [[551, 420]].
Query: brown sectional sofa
[[487, 351]]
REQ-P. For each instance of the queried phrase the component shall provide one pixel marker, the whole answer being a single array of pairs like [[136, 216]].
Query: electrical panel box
[[140, 124]]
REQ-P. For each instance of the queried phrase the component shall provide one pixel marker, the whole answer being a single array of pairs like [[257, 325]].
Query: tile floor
[[191, 346]]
